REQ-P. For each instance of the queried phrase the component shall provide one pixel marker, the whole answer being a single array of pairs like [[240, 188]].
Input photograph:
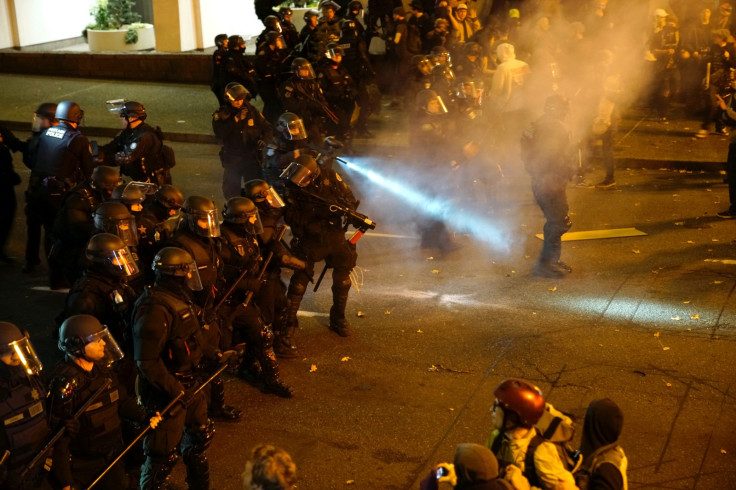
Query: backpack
[[559, 429], [612, 453]]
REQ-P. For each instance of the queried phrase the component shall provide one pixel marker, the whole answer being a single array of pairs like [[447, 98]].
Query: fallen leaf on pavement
[[387, 312], [636, 251], [360, 314], [419, 331], [313, 368], [345, 359], [656, 334], [435, 271], [695, 317], [553, 288], [665, 348], [717, 282], [669, 385]]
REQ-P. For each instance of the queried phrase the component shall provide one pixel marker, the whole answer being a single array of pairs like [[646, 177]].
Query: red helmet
[[522, 398]]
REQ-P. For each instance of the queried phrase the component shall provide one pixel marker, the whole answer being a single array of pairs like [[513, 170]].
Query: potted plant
[[117, 28]]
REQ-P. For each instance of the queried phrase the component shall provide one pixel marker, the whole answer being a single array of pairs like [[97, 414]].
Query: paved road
[[648, 321]]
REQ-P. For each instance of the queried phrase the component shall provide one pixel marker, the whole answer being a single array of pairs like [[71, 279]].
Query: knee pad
[[341, 279], [297, 287]]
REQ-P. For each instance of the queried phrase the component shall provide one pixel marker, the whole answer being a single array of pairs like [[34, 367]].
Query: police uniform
[[319, 235], [269, 66], [59, 159], [340, 92], [23, 419], [243, 132], [240, 252], [239, 69], [155, 227], [169, 348], [78, 460], [305, 99], [138, 151], [73, 227]]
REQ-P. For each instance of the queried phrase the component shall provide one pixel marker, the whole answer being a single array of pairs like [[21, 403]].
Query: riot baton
[[163, 412], [135, 441], [61, 431]]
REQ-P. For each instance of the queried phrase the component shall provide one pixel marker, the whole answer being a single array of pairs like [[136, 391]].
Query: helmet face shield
[[299, 174], [116, 105], [273, 199], [295, 130], [125, 229], [435, 105], [101, 347], [22, 353], [122, 262], [204, 223]]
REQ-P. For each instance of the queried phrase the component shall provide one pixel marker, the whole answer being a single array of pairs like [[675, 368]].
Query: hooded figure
[[604, 462], [509, 79]]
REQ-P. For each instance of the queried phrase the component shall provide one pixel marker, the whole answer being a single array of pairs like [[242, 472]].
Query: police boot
[[155, 472], [270, 381], [218, 410], [272, 384], [286, 340], [545, 268], [284, 346], [338, 323]]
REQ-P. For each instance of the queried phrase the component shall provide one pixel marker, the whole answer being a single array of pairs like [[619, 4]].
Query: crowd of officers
[[163, 295]]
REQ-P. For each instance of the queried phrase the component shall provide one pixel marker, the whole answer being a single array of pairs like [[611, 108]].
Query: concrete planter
[[115, 40]]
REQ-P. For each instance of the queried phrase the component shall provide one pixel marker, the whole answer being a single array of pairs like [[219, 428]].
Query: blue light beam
[[463, 221]]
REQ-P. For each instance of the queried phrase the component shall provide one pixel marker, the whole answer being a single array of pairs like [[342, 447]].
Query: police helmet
[[355, 6], [200, 216], [132, 109], [236, 43], [348, 29], [243, 211], [442, 54], [272, 23], [44, 117], [333, 50], [521, 401], [302, 68], [70, 111], [472, 49], [176, 262], [302, 172], [221, 40], [429, 101], [133, 194], [105, 178], [309, 14], [115, 217], [78, 331], [111, 252], [325, 5], [273, 38], [169, 197], [235, 92], [16, 349], [442, 72], [284, 11], [291, 127], [261, 193]]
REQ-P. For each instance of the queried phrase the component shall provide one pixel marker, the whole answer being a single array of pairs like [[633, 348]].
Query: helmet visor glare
[[127, 231], [205, 223], [23, 351], [111, 352], [143, 188], [295, 130], [122, 261], [298, 174], [115, 105], [253, 223], [273, 199], [305, 72], [436, 106], [193, 281]]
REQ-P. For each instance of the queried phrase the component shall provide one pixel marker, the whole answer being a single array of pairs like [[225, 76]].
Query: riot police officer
[[74, 224], [271, 297], [90, 351], [289, 32], [269, 60], [358, 64], [271, 24], [244, 132], [302, 95], [328, 29], [138, 149], [240, 252], [237, 68], [59, 159], [339, 90], [43, 118], [169, 347], [157, 221], [290, 142], [22, 408], [198, 235], [218, 67], [104, 290], [319, 235]]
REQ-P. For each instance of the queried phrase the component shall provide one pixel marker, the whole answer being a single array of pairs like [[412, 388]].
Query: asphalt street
[[648, 321]]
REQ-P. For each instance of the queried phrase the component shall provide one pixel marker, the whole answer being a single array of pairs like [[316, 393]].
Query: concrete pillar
[[178, 25]]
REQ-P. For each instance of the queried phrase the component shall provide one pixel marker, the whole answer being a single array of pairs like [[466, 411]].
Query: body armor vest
[[52, 149], [23, 415]]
